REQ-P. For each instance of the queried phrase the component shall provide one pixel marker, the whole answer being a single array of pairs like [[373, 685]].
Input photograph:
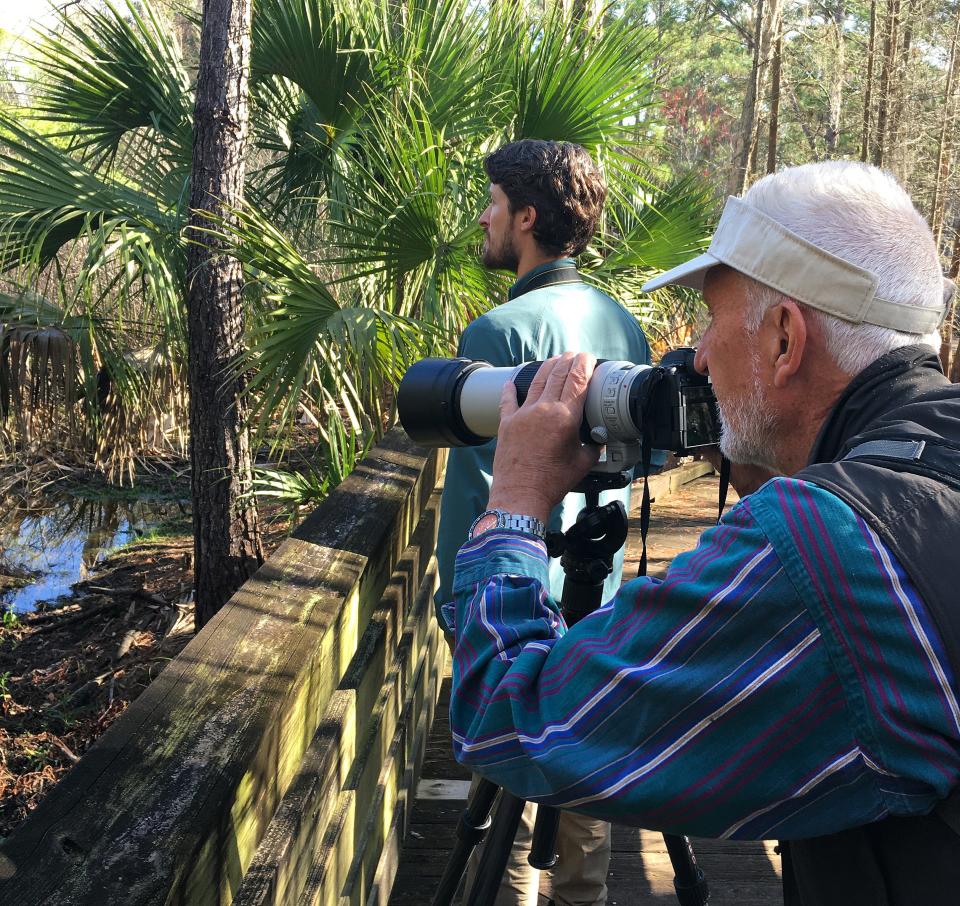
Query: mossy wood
[[284, 739]]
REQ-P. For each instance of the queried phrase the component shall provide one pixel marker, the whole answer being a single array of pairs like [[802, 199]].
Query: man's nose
[[700, 359]]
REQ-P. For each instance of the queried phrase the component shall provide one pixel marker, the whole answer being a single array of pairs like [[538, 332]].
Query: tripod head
[[587, 548]]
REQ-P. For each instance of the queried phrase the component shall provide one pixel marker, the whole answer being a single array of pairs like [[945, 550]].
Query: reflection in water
[[57, 545]]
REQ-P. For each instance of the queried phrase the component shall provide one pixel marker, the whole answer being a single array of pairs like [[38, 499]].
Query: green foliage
[[359, 240], [315, 480]]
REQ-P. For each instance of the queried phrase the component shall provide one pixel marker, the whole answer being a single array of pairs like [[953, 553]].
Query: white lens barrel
[[480, 399], [607, 407]]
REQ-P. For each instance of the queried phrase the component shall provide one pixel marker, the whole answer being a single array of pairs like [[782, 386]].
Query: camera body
[[456, 402]]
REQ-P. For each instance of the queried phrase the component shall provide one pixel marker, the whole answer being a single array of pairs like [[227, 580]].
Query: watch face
[[484, 523]]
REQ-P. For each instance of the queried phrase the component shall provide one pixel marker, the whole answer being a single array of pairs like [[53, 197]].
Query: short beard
[[748, 428], [504, 257]]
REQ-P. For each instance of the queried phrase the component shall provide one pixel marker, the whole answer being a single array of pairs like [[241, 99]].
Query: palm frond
[[309, 57], [304, 333], [662, 230], [411, 220], [108, 71], [578, 82], [48, 199]]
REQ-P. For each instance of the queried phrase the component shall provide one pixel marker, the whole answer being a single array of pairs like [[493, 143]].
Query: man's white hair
[[862, 215]]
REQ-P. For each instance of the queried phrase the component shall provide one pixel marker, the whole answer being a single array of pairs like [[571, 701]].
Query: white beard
[[747, 428]]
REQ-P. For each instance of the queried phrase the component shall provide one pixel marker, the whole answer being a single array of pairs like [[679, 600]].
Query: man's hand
[[539, 456]]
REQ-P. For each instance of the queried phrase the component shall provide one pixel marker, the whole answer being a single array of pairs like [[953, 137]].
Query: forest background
[[369, 120]]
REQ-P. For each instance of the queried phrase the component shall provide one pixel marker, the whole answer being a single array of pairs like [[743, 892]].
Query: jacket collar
[[562, 270], [892, 381]]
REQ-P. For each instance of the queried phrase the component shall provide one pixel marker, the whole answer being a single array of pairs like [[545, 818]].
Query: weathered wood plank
[[365, 807], [374, 689], [394, 790], [389, 861], [171, 803], [377, 793]]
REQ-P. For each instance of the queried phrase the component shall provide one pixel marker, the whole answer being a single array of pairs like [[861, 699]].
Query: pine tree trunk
[[900, 82], [774, 105], [767, 27], [835, 96], [227, 547], [892, 28], [952, 368], [744, 138], [945, 148], [868, 90]]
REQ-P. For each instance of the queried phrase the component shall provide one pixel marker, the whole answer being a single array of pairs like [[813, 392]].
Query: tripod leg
[[543, 850], [473, 824], [496, 852], [689, 882]]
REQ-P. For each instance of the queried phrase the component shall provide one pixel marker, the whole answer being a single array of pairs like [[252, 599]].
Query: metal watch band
[[511, 521]]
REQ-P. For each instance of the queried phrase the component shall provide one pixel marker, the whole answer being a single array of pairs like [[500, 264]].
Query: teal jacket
[[564, 317]]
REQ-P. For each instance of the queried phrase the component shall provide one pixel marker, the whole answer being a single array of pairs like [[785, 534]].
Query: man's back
[[535, 325]]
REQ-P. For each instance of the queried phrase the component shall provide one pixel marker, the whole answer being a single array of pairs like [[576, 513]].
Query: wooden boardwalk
[[740, 874]]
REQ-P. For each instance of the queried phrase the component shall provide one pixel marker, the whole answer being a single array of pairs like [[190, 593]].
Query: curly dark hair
[[558, 179]]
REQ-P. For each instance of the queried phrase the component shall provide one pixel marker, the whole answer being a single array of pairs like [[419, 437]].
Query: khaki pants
[[580, 875]]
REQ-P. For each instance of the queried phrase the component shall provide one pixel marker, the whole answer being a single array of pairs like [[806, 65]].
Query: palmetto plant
[[370, 121]]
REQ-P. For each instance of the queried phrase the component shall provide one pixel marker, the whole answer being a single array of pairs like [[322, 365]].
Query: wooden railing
[[274, 760]]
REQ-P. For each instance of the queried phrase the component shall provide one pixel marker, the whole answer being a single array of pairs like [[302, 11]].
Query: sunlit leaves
[[370, 121], [109, 71]]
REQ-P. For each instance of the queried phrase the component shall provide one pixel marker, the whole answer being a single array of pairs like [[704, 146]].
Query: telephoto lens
[[456, 402]]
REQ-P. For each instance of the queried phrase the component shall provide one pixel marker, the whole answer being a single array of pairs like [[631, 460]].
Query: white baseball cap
[[755, 244]]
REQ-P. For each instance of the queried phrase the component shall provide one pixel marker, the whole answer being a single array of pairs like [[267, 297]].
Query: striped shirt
[[784, 680]]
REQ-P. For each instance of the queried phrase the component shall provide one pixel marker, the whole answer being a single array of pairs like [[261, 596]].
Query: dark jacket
[[891, 449]]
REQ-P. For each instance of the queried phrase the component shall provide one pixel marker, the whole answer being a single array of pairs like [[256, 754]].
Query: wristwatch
[[489, 520]]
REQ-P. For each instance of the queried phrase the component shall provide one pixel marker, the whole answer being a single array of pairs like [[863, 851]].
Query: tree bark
[[868, 90], [945, 148], [227, 546], [767, 27], [900, 81], [774, 105], [952, 369], [835, 97], [886, 76], [744, 138]]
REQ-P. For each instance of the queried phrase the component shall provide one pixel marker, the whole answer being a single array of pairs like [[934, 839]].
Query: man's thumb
[[508, 399]]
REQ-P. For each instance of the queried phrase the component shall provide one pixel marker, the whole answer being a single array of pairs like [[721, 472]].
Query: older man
[[795, 676]]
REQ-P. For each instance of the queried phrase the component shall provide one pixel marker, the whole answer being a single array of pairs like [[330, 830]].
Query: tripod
[[586, 552]]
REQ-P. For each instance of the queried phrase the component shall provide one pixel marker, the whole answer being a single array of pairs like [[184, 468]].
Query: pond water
[[56, 545]]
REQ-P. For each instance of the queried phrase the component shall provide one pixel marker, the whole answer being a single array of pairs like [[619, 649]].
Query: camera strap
[[565, 273], [724, 486], [646, 453]]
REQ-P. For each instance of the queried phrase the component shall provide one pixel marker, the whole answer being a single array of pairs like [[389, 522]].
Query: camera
[[456, 402]]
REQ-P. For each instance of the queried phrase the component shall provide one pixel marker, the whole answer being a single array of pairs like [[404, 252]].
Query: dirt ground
[[67, 673]]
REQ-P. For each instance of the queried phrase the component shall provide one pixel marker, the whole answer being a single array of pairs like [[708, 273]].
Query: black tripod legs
[[496, 852], [471, 828], [543, 847], [688, 881]]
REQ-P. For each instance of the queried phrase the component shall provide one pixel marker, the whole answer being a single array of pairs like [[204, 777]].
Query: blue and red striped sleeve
[[783, 680]]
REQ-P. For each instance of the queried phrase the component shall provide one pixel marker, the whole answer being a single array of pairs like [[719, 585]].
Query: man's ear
[[525, 218], [787, 340]]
